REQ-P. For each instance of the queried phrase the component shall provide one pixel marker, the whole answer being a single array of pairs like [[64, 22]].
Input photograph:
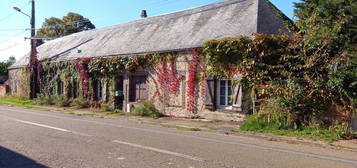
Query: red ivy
[[174, 80], [191, 81], [82, 69], [167, 79]]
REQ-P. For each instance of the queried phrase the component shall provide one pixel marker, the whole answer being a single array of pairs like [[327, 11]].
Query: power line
[[11, 14], [68, 24], [16, 35], [14, 29]]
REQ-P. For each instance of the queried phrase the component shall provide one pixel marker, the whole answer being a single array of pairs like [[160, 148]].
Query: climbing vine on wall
[[111, 66], [82, 69], [191, 81], [168, 80]]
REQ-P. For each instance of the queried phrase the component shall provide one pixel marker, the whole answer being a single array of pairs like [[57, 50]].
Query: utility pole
[[33, 57], [32, 67]]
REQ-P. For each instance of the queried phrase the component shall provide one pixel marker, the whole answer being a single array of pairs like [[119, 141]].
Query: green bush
[[105, 107], [44, 100], [79, 103], [146, 109], [61, 101]]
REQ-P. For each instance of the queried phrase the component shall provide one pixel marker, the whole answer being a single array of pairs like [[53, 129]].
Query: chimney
[[144, 14]]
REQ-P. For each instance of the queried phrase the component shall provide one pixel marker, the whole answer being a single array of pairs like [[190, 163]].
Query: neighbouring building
[[4, 88], [170, 85]]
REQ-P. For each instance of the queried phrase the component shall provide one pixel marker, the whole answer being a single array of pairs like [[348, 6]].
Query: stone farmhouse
[[68, 63]]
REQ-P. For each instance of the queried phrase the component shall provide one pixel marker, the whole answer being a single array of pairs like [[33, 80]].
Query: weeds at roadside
[[116, 112], [255, 124], [187, 128], [146, 109]]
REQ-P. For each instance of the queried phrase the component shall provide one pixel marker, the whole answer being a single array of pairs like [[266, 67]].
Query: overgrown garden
[[306, 80]]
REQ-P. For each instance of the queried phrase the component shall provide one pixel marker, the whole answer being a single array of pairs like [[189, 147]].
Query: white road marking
[[121, 158], [50, 127], [160, 151], [41, 125]]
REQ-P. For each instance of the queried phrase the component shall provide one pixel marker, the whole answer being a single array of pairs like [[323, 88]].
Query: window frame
[[227, 105]]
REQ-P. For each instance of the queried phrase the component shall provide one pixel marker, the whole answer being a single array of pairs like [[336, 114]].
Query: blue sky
[[100, 12]]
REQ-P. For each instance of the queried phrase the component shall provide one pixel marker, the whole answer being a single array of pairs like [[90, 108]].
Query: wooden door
[[138, 88]]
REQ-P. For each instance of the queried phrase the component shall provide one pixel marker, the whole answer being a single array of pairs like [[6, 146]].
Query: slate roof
[[174, 31]]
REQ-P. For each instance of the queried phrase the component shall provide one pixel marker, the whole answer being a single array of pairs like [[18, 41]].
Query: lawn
[[17, 101]]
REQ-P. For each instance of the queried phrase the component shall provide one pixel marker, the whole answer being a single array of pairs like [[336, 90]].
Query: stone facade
[[3, 89], [168, 102], [175, 104], [18, 82]]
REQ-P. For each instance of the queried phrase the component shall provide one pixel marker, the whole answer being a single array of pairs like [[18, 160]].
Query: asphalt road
[[31, 139]]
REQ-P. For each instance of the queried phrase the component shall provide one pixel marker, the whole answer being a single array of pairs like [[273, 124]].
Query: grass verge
[[187, 128], [17, 101], [254, 124]]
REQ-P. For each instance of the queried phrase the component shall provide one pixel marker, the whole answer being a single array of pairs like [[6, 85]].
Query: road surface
[[32, 138]]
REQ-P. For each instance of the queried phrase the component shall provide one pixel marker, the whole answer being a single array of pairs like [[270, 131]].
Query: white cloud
[[16, 47]]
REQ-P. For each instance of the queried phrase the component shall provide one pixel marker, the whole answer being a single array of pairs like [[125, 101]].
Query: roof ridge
[[176, 14], [152, 19]]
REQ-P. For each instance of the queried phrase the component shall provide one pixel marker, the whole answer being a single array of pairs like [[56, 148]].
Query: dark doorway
[[138, 88], [119, 93]]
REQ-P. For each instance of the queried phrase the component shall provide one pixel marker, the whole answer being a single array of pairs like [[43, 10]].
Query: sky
[[102, 13]]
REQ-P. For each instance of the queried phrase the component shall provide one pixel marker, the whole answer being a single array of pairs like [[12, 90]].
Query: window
[[60, 87], [138, 88], [99, 90], [225, 94]]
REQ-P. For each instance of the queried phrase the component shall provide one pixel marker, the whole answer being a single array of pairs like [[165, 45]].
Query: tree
[[71, 23], [6, 64], [11, 60]]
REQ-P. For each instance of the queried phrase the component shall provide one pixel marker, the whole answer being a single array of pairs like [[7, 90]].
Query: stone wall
[[168, 102], [175, 104], [3, 90], [18, 82]]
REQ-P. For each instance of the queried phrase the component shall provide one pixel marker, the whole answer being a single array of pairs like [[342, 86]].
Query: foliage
[[51, 74], [83, 70], [308, 77], [223, 56], [71, 23], [105, 107], [5, 65], [44, 100], [166, 79], [277, 126], [79, 103], [102, 66], [11, 60], [193, 65], [3, 68], [146, 109], [116, 112], [61, 101], [188, 128]]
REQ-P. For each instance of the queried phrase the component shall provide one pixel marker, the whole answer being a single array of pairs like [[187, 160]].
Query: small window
[[99, 90], [75, 86], [60, 87], [225, 94]]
